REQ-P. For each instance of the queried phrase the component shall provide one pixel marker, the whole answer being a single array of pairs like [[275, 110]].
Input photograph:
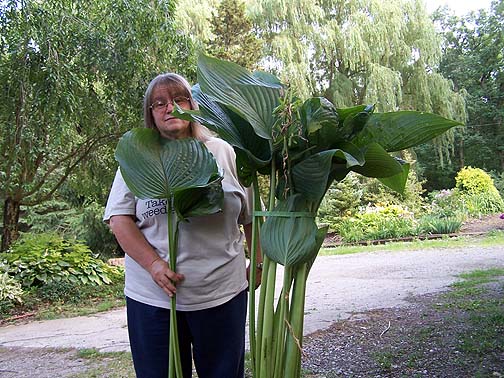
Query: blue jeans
[[217, 337]]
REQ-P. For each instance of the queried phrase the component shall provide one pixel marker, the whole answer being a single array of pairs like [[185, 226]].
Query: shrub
[[473, 181], [378, 223], [447, 204], [498, 179], [11, 292], [342, 197], [478, 192], [374, 192], [83, 222], [10, 289], [38, 259], [431, 224], [73, 292], [483, 203]]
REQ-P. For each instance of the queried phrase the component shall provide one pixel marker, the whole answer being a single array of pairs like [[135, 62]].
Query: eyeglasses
[[160, 106]]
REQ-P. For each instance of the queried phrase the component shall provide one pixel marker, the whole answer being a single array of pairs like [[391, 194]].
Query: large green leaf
[[154, 167], [247, 95], [229, 126], [289, 240], [317, 112], [378, 163], [328, 127], [401, 130], [398, 181], [355, 123], [319, 240], [253, 152], [193, 202], [311, 175], [344, 113]]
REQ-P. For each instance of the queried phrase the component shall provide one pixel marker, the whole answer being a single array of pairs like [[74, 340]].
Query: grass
[[485, 334], [109, 365], [385, 360], [493, 238]]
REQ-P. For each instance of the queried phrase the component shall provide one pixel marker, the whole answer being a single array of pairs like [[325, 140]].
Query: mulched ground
[[429, 338]]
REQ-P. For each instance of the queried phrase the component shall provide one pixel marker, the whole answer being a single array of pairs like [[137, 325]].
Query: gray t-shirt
[[210, 252]]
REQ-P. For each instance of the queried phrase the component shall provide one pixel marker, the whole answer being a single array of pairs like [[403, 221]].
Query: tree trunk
[[461, 152], [10, 222]]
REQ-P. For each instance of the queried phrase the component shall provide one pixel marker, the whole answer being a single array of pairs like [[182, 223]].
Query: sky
[[461, 7]]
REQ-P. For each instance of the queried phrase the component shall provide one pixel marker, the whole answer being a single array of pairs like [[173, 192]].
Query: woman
[[211, 279]]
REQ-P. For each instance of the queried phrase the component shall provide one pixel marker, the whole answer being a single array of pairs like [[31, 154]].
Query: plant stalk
[[175, 365], [266, 363], [256, 221], [283, 318], [295, 335]]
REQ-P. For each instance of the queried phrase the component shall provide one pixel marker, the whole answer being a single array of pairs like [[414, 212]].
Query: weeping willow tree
[[194, 18], [350, 51], [359, 51]]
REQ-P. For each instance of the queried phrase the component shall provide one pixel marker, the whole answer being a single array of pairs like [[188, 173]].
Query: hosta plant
[[184, 173], [38, 259], [302, 146]]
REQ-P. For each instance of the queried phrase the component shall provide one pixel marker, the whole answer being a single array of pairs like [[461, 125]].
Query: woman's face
[[169, 127]]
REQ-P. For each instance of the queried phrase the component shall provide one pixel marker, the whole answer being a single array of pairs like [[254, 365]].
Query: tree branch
[[81, 152]]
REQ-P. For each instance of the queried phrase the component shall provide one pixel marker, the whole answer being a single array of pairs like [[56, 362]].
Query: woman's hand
[[165, 278], [134, 244]]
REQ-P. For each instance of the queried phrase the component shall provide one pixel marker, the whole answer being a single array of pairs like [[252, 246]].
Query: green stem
[[283, 315], [292, 361], [260, 315], [175, 365], [288, 170], [267, 288], [252, 271], [266, 364]]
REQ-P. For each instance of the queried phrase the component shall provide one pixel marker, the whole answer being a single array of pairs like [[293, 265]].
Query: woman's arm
[[247, 228], [136, 246]]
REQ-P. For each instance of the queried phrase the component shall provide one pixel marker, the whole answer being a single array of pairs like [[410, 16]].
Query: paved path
[[338, 288]]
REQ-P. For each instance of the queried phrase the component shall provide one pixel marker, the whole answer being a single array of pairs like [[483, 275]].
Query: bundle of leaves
[[381, 222], [38, 259], [303, 146], [476, 189]]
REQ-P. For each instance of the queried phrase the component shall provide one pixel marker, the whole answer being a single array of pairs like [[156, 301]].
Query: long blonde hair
[[178, 86]]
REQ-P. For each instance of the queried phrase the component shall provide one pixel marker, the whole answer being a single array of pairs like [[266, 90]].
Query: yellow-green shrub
[[478, 192]]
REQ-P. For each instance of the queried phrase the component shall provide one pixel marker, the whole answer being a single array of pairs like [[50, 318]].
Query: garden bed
[[472, 227]]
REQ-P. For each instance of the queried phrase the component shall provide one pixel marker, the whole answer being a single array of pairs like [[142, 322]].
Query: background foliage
[[73, 73], [473, 60], [72, 77]]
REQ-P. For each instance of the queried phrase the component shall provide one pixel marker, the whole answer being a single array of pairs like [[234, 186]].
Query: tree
[[234, 39], [473, 59], [193, 18], [359, 51], [72, 76]]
